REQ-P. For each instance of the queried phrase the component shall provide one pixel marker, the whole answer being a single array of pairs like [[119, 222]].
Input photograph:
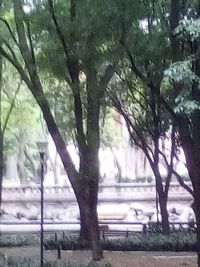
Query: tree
[[142, 110], [141, 95], [85, 46], [184, 76], [147, 125], [4, 123]]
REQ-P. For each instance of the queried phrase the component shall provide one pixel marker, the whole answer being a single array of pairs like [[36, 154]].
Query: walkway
[[117, 259]]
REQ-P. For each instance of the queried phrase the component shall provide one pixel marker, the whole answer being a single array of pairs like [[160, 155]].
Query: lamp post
[[157, 203], [42, 148]]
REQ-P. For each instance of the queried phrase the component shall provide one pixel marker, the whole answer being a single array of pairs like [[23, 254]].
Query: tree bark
[[89, 168], [1, 126], [162, 200], [1, 165], [196, 208], [164, 214], [189, 128], [89, 221]]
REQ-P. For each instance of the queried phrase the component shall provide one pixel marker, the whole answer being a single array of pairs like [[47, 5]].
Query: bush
[[179, 241], [19, 240], [24, 262], [155, 241]]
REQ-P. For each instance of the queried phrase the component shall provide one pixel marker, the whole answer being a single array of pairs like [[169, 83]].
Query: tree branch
[[105, 78], [171, 165], [145, 81], [31, 161], [9, 29], [11, 107], [18, 67], [58, 29], [181, 182], [3, 41], [144, 146], [31, 42], [23, 45], [135, 69]]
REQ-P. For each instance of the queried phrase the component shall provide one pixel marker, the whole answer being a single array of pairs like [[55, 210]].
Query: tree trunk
[[87, 202], [162, 199], [1, 126], [164, 213], [89, 169], [196, 208], [86, 195], [21, 158], [55, 171], [89, 222], [191, 151], [1, 165]]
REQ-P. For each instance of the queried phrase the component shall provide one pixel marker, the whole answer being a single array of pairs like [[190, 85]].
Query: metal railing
[[106, 227]]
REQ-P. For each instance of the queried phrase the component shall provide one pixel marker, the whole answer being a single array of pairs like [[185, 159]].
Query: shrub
[[19, 240], [25, 262], [179, 241]]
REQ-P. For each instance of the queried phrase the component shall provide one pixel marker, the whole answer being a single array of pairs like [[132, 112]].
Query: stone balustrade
[[103, 188], [114, 187], [108, 193]]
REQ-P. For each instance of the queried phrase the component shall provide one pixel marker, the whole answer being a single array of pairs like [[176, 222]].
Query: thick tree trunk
[[1, 126], [1, 165], [85, 195], [89, 223], [191, 152], [162, 200], [164, 214], [196, 208], [88, 202], [195, 178], [89, 168]]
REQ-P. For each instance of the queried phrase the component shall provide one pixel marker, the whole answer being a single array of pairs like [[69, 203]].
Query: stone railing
[[103, 188]]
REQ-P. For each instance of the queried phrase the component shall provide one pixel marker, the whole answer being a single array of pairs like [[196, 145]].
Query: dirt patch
[[117, 259]]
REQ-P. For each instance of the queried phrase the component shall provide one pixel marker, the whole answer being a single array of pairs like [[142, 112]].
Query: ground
[[117, 259]]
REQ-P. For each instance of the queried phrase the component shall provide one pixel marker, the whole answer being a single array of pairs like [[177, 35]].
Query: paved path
[[118, 259]]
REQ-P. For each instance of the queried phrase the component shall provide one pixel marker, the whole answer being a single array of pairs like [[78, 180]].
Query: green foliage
[[180, 241], [87, 35], [154, 240], [26, 262], [182, 73], [18, 240], [111, 129], [189, 28], [60, 99], [24, 116]]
